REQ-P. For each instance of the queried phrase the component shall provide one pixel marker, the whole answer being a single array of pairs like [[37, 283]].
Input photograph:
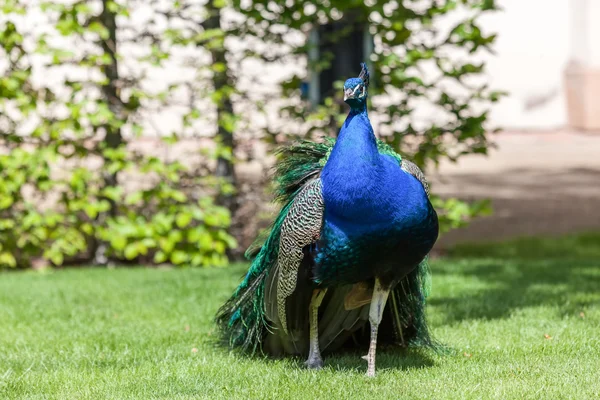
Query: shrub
[[62, 196]]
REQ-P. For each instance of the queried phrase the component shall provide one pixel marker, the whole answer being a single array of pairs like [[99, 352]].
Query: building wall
[[532, 51]]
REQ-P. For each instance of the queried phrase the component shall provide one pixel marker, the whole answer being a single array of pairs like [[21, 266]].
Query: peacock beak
[[348, 94], [352, 93]]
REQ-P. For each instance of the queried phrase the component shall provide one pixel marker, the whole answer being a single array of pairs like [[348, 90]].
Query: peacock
[[348, 247]]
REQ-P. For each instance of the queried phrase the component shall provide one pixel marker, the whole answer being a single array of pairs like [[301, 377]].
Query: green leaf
[[87, 228], [218, 67], [103, 206], [205, 241], [160, 257], [100, 29], [131, 251], [166, 245], [6, 202], [228, 239], [219, 247], [118, 242], [113, 193], [149, 242], [112, 7], [7, 224], [134, 198], [57, 257], [91, 210], [179, 196], [183, 219], [178, 257], [141, 248], [8, 259]]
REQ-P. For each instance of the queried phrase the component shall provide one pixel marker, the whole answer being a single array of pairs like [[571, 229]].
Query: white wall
[[533, 48]]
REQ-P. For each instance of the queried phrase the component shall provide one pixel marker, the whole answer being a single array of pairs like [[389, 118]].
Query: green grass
[[131, 333]]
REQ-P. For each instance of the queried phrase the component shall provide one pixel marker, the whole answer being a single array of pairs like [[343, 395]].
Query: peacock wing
[[406, 165], [301, 227], [415, 171]]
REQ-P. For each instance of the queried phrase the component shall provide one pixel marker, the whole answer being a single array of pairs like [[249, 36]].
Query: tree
[[81, 122], [61, 182]]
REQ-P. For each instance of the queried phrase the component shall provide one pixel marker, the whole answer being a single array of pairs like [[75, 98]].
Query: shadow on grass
[[502, 278], [395, 359], [387, 358], [349, 360]]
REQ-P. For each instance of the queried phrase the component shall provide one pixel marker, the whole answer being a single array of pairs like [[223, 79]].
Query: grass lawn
[[522, 320]]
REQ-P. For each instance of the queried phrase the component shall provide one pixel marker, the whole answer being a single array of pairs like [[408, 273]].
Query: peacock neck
[[354, 164], [356, 144], [354, 171], [359, 108]]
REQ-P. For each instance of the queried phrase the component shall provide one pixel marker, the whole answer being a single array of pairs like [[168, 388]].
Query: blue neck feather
[[356, 146], [353, 168]]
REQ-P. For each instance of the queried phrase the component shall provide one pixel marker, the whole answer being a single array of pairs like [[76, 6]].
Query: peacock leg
[[378, 301], [314, 354]]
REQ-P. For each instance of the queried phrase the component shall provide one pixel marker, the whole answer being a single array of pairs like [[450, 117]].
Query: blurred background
[[144, 132]]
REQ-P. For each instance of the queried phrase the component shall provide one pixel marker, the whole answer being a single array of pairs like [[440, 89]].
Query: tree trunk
[[111, 94], [110, 89], [221, 80]]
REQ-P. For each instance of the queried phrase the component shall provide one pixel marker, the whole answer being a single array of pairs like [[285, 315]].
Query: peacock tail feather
[[407, 307], [242, 318]]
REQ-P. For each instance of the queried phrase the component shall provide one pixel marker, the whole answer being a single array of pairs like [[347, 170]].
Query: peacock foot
[[314, 363], [370, 359]]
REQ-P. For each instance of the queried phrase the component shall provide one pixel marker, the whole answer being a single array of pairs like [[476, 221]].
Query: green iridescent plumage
[[245, 321]]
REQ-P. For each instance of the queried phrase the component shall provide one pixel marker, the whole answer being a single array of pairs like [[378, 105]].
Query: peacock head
[[355, 89]]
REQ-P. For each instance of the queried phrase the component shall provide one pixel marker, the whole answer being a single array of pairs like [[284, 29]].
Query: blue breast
[[364, 187], [378, 218], [385, 195]]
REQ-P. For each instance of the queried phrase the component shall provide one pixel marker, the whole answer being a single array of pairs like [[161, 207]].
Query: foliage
[[62, 197], [419, 62], [456, 213], [67, 153]]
